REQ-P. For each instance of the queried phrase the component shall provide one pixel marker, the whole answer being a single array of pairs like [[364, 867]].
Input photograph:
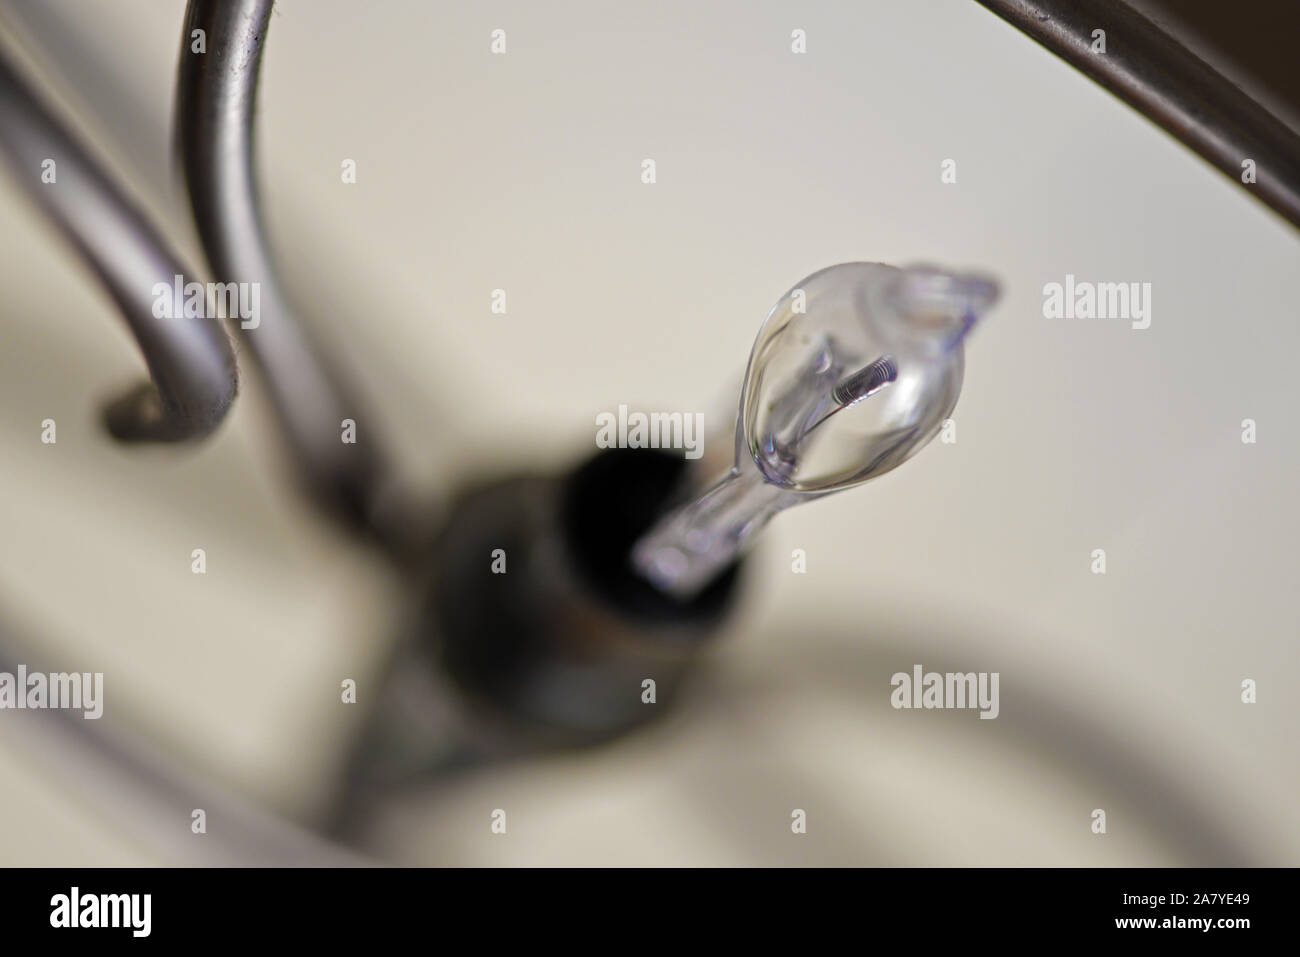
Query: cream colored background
[[477, 172]]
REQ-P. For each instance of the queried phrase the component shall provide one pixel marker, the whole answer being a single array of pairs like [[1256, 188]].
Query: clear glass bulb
[[853, 372]]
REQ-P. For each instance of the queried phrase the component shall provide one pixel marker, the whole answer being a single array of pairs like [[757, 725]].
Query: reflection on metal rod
[[215, 99], [190, 359], [1157, 76]]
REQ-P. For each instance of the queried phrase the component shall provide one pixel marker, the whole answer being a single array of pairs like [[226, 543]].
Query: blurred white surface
[[522, 172]]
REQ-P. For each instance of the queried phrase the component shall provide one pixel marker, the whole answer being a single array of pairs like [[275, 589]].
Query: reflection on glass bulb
[[853, 372]]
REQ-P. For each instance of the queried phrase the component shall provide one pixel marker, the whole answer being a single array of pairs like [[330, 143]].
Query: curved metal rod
[[190, 360], [215, 99], [1171, 86]]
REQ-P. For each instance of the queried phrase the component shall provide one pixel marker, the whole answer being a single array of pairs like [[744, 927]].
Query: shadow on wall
[[753, 740]]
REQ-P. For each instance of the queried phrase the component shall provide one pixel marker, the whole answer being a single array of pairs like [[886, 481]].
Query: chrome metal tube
[[215, 99], [190, 360]]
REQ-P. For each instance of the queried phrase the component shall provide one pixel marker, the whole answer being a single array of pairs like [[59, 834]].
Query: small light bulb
[[853, 372]]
